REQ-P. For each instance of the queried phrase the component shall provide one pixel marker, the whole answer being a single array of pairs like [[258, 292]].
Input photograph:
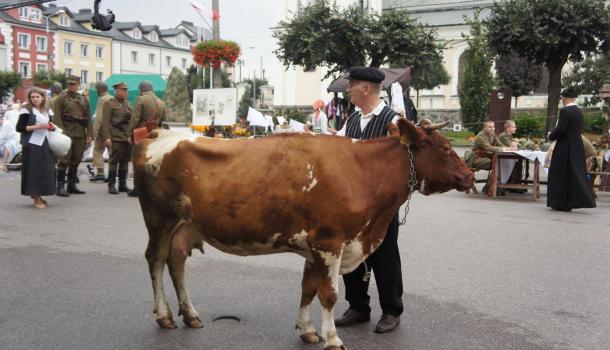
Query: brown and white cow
[[310, 195]]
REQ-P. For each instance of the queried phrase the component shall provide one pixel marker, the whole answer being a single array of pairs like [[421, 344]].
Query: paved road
[[479, 274]]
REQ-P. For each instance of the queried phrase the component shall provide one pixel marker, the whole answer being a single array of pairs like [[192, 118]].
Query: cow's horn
[[433, 127]]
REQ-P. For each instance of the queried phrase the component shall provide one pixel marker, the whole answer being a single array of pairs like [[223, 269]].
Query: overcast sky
[[247, 22]]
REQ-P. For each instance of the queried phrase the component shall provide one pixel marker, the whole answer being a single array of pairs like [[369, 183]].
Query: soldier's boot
[[99, 176], [61, 182], [133, 192], [72, 179], [112, 182], [123, 178]]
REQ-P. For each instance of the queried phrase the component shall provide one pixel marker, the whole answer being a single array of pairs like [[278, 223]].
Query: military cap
[[569, 92], [101, 86], [145, 85], [370, 74], [120, 85], [73, 79], [56, 88]]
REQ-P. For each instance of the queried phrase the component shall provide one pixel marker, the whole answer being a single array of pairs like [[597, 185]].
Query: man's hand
[[88, 140], [108, 143]]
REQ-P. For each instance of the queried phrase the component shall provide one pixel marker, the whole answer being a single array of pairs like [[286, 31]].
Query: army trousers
[[481, 163], [75, 154], [120, 154], [98, 154]]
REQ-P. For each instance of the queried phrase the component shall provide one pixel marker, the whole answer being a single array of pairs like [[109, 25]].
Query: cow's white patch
[[355, 140], [304, 321], [353, 255], [299, 240], [313, 180], [329, 332], [165, 143]]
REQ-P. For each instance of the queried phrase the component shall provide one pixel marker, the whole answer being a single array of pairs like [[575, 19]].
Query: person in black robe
[[568, 184]]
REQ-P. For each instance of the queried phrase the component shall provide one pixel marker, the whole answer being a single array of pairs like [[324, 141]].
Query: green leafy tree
[[9, 81], [247, 98], [429, 76], [589, 76], [176, 97], [45, 78], [324, 35], [475, 89], [196, 81], [519, 74], [550, 32]]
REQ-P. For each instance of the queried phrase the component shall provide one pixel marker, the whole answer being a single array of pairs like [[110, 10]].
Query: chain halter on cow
[[426, 125]]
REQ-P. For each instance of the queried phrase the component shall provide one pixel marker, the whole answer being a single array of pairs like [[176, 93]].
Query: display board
[[214, 106]]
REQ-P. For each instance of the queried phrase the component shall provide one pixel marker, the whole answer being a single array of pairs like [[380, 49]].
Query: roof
[[126, 25], [436, 13], [150, 28], [7, 18], [119, 35], [9, 4], [173, 32], [84, 15], [195, 30]]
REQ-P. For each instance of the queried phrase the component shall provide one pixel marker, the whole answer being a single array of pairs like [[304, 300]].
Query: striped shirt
[[371, 125]]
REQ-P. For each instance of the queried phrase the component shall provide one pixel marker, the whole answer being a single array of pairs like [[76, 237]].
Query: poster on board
[[215, 106]]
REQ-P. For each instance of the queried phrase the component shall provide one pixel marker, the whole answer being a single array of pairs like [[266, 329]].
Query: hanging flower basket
[[216, 52]]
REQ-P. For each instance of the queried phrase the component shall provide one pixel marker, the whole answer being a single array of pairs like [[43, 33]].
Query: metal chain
[[412, 183]]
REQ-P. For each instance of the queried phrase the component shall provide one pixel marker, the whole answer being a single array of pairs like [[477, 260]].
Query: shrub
[[530, 125], [594, 123]]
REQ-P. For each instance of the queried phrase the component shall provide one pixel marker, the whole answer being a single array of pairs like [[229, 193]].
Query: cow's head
[[438, 167]]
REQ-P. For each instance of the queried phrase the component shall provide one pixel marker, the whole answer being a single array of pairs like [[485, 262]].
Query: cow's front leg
[[328, 289], [309, 287], [176, 264]]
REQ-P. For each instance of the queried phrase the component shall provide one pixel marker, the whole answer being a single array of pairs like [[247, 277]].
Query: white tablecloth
[[507, 165]]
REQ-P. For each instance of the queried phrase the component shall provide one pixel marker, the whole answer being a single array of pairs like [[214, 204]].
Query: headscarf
[[317, 106]]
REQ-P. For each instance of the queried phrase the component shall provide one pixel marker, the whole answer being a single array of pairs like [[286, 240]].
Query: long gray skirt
[[38, 170]]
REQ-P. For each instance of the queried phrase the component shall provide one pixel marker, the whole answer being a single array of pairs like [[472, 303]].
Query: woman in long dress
[[38, 169]]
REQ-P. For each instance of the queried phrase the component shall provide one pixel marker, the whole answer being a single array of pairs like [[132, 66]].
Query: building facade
[[30, 46]]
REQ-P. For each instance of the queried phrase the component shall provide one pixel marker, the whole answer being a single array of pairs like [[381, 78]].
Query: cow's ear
[[393, 129], [408, 131]]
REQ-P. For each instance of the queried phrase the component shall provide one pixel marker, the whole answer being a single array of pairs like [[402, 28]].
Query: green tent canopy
[[132, 81]]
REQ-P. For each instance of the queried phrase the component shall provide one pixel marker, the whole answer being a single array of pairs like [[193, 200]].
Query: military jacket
[[73, 115], [486, 145], [116, 118], [148, 107], [506, 139]]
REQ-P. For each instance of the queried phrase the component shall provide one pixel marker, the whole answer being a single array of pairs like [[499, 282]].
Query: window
[[41, 43], [184, 63], [35, 15], [41, 67], [68, 71], [99, 76], [99, 51], [24, 12], [63, 20], [24, 41], [182, 40], [137, 34], [84, 76], [25, 70], [134, 57], [68, 48], [154, 36], [168, 61], [151, 59], [84, 50]]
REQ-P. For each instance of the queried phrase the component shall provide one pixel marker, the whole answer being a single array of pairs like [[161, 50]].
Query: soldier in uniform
[[506, 140], [115, 132], [149, 112], [485, 145], [73, 116], [56, 90], [99, 146]]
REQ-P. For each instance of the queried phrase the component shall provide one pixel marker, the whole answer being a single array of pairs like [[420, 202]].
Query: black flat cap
[[570, 92], [370, 74]]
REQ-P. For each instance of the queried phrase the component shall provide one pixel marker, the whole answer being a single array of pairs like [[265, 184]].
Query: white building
[[138, 49], [295, 87]]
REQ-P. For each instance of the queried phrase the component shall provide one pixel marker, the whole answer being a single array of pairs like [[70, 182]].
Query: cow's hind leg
[[157, 253], [184, 239], [309, 287], [329, 263]]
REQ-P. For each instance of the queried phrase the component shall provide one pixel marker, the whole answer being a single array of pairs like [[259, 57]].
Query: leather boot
[[61, 181], [123, 179], [387, 323], [112, 182], [352, 317], [72, 181]]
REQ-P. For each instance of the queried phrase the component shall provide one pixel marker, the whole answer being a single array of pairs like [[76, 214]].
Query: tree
[[247, 99], [194, 79], [550, 32], [589, 76], [323, 35], [176, 97], [9, 81], [475, 89], [45, 78], [429, 76], [519, 74]]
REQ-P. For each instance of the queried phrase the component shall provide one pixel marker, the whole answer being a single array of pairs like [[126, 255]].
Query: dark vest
[[377, 127]]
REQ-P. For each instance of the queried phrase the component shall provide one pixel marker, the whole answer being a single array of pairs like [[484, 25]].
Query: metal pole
[[211, 77]]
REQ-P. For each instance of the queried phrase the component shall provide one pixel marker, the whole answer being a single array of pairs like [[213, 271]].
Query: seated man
[[507, 140]]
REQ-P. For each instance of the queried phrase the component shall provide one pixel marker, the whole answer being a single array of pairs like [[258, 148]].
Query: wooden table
[[534, 184]]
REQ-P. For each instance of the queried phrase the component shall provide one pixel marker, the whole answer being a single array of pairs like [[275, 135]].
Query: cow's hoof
[[311, 338], [166, 323], [193, 322]]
